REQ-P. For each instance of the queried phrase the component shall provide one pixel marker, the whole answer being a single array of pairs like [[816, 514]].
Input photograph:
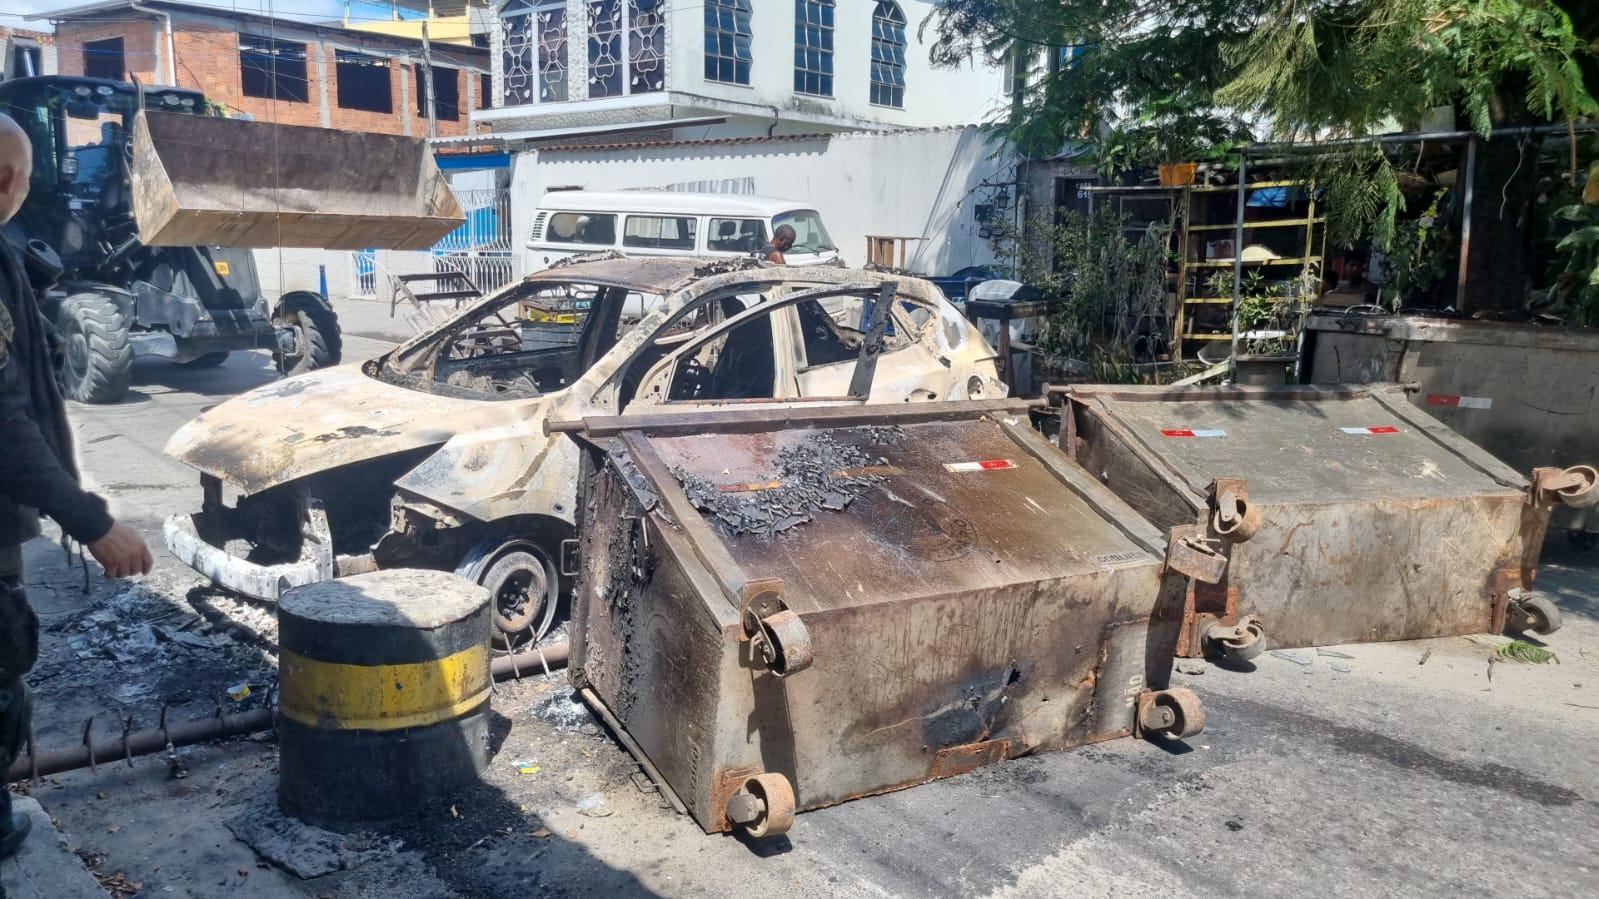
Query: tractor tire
[[313, 329], [99, 359], [209, 360]]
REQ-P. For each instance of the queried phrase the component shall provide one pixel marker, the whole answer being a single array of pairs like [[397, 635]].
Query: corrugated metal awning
[[517, 137]]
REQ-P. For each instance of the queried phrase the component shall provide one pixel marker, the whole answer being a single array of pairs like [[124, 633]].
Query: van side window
[[582, 227], [736, 235], [660, 232]]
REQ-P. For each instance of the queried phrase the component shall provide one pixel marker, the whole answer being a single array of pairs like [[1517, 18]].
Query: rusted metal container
[[786, 609], [1529, 394], [1346, 514]]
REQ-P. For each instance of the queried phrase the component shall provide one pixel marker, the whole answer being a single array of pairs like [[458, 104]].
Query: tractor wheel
[[209, 360], [308, 330], [99, 359]]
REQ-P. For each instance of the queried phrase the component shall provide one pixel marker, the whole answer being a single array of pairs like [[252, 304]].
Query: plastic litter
[[593, 806]]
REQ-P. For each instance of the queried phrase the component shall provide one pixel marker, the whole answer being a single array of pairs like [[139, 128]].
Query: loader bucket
[[212, 181]]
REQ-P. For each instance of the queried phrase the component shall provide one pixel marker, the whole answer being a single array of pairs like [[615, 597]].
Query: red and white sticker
[[1379, 429], [985, 465], [1192, 432], [1458, 401]]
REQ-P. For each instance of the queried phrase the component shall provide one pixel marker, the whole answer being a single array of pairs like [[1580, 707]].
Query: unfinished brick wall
[[142, 53], [208, 60], [45, 41]]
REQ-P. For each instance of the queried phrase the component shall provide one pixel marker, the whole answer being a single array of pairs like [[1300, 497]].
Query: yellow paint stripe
[[381, 697]]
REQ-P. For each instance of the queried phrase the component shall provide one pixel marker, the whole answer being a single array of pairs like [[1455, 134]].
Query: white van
[[660, 223]]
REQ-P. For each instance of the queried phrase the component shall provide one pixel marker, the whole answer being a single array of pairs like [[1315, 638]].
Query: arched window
[[888, 55], [727, 41], [813, 47]]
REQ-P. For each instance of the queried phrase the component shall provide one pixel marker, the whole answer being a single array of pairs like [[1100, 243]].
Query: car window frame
[[784, 331]]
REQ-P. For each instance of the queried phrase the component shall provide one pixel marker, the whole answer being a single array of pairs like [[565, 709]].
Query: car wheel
[[524, 586]]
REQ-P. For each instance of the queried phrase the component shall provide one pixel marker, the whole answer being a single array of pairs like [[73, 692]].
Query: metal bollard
[[384, 694]]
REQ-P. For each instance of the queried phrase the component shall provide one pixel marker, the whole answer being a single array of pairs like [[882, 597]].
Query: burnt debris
[[820, 473]]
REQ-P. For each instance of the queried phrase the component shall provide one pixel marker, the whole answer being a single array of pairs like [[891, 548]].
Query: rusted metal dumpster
[[1345, 514], [1527, 393], [783, 609]]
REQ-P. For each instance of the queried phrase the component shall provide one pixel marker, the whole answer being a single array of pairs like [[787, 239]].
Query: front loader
[[154, 203]]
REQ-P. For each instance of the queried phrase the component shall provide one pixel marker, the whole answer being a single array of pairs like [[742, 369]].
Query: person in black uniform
[[37, 474]]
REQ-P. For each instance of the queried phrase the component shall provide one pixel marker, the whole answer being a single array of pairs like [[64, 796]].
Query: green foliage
[[1109, 281], [1309, 69], [1577, 283], [1136, 64], [1362, 195], [1264, 305], [1522, 651], [1419, 258]]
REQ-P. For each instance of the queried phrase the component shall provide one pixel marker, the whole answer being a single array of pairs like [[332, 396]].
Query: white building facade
[[731, 67]]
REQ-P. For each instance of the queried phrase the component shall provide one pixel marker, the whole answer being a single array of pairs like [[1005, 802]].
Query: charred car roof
[[648, 274]]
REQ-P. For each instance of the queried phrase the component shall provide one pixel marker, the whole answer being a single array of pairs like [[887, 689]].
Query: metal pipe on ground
[[205, 730], [145, 742], [531, 661]]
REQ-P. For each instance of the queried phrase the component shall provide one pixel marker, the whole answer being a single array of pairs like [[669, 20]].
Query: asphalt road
[[1394, 769]]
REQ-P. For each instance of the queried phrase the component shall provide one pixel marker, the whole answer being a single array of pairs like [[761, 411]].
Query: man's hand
[[122, 552]]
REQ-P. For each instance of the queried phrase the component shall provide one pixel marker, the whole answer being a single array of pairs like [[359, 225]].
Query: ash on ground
[[812, 476], [182, 653], [565, 711]]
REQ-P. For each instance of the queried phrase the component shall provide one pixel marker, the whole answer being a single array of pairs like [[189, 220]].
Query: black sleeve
[[31, 475]]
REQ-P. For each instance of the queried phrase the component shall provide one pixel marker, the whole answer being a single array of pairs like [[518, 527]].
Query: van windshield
[[809, 235]]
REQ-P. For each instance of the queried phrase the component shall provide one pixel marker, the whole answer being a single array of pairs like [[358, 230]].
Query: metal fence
[[480, 247]]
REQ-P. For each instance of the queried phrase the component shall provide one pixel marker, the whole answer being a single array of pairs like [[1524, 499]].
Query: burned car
[[437, 455]]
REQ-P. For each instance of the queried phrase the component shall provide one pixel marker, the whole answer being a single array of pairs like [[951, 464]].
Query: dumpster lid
[[887, 512], [1427, 329], [1302, 444]]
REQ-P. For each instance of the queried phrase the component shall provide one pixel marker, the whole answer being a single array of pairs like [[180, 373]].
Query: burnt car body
[[436, 454]]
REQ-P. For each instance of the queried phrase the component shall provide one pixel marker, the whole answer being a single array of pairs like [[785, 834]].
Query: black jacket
[[37, 471]]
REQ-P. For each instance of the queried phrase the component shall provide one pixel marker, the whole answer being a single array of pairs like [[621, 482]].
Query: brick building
[[24, 53], [275, 69]]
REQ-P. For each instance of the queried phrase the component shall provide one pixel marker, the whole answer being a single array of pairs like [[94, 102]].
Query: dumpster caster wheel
[[1582, 540], [1535, 614], [1582, 488], [1238, 527], [1173, 714], [784, 643], [1238, 643], [764, 806]]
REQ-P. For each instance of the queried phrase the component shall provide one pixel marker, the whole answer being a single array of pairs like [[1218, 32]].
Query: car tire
[[313, 328], [99, 359]]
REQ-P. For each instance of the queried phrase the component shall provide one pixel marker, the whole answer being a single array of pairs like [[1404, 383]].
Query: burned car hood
[[323, 420]]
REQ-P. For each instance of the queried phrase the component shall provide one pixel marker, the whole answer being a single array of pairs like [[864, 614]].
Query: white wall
[[902, 184], [933, 97], [283, 270]]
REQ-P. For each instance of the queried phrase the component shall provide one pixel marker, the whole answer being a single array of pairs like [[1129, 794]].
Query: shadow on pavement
[[1570, 576], [244, 370]]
